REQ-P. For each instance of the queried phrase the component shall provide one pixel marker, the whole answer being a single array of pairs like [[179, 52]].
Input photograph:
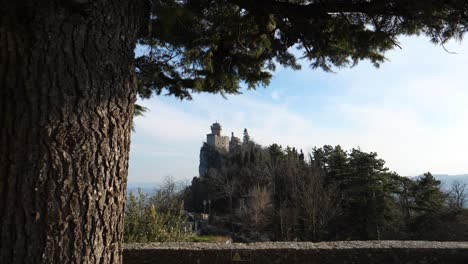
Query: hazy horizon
[[152, 184]]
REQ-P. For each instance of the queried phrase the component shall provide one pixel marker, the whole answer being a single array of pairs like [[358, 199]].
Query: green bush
[[157, 218]]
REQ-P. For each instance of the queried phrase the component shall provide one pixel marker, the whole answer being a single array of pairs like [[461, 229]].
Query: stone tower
[[216, 129], [216, 140]]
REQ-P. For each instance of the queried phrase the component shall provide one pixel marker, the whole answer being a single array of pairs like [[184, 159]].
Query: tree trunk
[[67, 90]]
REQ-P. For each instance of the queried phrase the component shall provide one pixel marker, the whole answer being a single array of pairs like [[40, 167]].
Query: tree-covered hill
[[277, 193]]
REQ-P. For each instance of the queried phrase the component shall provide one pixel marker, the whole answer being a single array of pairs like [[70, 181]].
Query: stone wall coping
[[336, 245]]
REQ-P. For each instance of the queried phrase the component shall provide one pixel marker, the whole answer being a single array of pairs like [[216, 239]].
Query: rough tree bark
[[67, 90]]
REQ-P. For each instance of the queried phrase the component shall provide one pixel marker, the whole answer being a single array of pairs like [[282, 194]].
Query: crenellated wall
[[349, 252]]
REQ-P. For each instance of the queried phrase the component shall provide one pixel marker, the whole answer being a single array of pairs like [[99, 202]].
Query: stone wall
[[219, 142], [349, 252]]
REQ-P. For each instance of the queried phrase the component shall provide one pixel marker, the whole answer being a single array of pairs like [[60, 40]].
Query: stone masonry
[[350, 252]]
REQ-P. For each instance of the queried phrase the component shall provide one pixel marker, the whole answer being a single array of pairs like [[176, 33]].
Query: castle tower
[[216, 140], [216, 129]]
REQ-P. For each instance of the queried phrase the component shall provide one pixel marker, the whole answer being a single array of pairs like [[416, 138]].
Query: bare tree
[[319, 204], [259, 204], [225, 186], [168, 197], [457, 195]]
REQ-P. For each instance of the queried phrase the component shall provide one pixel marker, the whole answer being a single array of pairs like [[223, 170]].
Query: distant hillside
[[146, 187], [448, 180], [150, 188]]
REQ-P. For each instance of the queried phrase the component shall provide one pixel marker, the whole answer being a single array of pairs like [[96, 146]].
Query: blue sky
[[412, 111]]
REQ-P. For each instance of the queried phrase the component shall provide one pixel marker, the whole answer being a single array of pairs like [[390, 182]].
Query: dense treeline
[[330, 194]]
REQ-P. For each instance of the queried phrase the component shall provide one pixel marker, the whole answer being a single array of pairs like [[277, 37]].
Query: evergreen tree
[[246, 138], [276, 152], [368, 196], [428, 206], [301, 156], [428, 196], [334, 161], [406, 203]]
